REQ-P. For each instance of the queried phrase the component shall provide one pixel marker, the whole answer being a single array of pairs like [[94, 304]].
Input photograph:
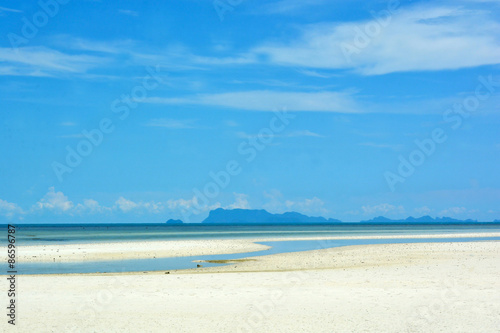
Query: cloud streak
[[266, 100], [42, 61], [415, 39], [4, 9]]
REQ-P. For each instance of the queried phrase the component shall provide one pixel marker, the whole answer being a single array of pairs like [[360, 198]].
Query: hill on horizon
[[221, 215], [411, 219]]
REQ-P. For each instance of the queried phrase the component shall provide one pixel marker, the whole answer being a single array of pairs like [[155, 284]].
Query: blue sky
[[124, 111]]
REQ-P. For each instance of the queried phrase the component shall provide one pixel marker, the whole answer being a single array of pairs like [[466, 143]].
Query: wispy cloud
[[241, 202], [5, 9], [454, 211], [278, 204], [384, 208], [9, 209], [231, 123], [416, 39], [45, 61], [423, 210], [265, 100], [125, 46], [313, 73], [294, 134], [128, 12]]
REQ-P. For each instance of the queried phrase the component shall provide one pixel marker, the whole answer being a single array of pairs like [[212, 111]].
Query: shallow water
[[165, 264], [98, 233]]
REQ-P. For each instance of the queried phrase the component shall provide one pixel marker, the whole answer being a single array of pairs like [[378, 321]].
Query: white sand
[[133, 250], [426, 287]]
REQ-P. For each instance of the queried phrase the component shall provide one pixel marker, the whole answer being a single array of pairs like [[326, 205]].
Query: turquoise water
[[64, 234], [94, 233], [165, 264]]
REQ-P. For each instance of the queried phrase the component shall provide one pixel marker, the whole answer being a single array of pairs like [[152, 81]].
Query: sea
[[36, 234]]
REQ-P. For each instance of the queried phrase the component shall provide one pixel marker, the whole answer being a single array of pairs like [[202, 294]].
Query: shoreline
[[183, 248]]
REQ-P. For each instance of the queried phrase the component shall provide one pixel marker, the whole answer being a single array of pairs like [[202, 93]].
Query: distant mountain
[[171, 221], [221, 215], [243, 216], [382, 219]]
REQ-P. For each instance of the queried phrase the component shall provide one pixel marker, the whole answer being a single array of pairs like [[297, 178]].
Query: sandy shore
[[133, 250], [425, 287], [164, 249]]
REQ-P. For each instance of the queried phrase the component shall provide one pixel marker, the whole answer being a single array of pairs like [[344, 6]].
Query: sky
[[142, 111]]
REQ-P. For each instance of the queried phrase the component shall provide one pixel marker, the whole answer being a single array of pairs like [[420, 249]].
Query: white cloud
[[55, 201], [309, 206], [275, 201], [9, 209], [454, 211], [156, 207], [423, 210], [265, 100], [91, 206], [384, 208], [241, 202], [182, 204], [40, 61], [277, 204], [126, 205], [153, 207], [417, 38]]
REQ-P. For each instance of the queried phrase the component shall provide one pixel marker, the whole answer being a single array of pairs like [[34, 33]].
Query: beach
[[174, 248], [418, 287]]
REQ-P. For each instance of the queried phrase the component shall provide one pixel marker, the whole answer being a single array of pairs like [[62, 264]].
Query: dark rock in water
[[171, 221], [198, 266]]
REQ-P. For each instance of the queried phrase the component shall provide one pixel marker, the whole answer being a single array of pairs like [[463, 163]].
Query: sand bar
[[133, 250]]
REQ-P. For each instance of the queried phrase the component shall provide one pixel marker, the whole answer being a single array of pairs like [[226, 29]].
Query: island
[[221, 215], [423, 219], [172, 221]]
